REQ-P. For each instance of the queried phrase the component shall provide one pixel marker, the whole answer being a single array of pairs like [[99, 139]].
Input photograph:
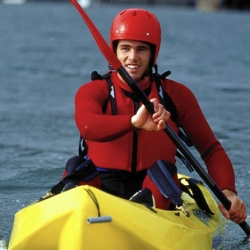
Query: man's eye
[[125, 49], [142, 49]]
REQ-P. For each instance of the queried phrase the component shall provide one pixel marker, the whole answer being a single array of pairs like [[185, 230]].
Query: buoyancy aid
[[135, 157]]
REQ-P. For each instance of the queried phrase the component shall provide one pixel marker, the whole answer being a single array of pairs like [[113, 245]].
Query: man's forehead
[[133, 43]]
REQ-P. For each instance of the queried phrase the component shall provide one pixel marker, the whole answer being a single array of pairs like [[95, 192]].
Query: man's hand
[[156, 122], [237, 212]]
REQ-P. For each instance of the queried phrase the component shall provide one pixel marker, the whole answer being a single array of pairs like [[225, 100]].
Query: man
[[126, 144]]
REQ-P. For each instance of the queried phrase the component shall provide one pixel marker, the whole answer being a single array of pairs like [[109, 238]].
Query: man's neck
[[139, 82]]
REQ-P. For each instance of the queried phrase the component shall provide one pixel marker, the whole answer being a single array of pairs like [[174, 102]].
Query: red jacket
[[110, 137]]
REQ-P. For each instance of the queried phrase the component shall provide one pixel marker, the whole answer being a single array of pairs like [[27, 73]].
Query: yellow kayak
[[88, 218]]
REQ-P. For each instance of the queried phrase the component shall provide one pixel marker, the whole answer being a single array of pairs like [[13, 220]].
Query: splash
[[3, 245]]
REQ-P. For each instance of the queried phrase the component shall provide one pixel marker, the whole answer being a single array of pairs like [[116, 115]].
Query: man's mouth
[[132, 66]]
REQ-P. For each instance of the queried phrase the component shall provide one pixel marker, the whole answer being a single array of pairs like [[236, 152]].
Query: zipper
[[135, 143]]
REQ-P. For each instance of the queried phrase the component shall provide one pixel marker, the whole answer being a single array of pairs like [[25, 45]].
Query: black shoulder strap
[[169, 105], [82, 149], [111, 93], [165, 99], [96, 76]]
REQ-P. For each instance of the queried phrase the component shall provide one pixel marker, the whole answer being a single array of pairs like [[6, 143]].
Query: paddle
[[116, 64]]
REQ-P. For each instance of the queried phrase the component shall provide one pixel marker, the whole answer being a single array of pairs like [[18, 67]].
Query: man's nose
[[133, 54]]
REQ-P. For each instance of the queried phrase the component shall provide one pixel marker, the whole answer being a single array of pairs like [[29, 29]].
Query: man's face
[[135, 57]]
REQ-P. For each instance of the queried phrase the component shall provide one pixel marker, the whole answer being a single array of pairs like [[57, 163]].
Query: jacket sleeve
[[90, 120], [192, 120]]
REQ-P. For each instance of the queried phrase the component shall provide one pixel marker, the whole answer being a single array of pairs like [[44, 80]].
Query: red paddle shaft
[[116, 64], [103, 46]]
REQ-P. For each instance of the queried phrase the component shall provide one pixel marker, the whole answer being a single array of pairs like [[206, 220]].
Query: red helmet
[[136, 24]]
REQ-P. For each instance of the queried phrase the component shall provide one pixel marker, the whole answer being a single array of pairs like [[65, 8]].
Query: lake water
[[46, 53]]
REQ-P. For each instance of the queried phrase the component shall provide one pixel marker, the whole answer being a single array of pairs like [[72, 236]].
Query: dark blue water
[[46, 53]]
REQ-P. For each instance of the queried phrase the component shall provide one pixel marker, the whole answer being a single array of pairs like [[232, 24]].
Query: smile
[[130, 66]]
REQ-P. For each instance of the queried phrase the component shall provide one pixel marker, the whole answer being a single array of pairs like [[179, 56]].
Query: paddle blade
[[102, 44]]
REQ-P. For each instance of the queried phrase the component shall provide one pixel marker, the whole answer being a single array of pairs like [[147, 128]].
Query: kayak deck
[[62, 222]]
